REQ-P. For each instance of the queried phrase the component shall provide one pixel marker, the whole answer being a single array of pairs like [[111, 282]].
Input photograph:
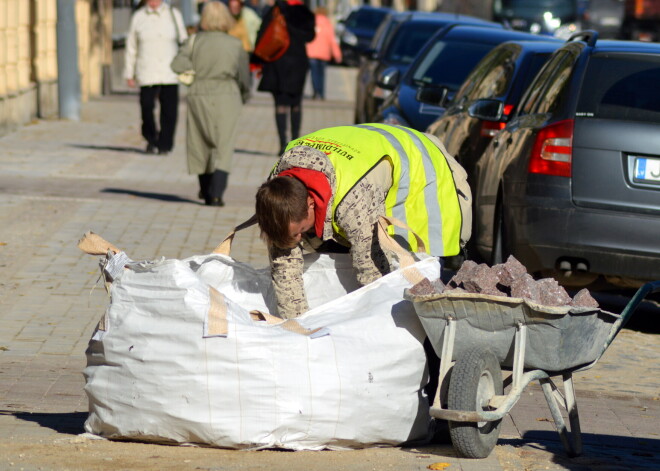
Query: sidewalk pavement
[[59, 179]]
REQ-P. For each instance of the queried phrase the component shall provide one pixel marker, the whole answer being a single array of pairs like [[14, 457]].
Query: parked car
[[571, 185], [420, 97], [401, 38], [497, 82], [356, 31], [551, 17]]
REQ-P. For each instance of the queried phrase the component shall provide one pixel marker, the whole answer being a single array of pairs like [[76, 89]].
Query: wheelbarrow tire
[[475, 379]]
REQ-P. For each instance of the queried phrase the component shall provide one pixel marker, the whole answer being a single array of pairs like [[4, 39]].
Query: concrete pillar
[[67, 61]]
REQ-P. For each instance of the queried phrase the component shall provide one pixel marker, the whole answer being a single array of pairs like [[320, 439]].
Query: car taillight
[[553, 149], [490, 128]]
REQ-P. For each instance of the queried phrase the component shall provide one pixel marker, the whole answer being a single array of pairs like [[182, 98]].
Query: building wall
[[28, 56]]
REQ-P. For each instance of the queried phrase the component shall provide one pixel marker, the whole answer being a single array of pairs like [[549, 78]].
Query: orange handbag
[[275, 40]]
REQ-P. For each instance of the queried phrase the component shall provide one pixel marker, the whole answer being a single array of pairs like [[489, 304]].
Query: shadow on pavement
[[149, 195], [255, 152], [66, 422], [131, 150], [600, 451]]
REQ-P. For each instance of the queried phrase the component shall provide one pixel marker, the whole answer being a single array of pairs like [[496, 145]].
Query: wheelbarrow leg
[[445, 363], [573, 416], [520, 344], [551, 394]]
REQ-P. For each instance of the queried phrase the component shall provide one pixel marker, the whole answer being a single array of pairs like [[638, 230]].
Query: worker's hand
[[130, 83]]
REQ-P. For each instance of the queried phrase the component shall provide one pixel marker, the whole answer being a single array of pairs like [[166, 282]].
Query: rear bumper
[[611, 243]]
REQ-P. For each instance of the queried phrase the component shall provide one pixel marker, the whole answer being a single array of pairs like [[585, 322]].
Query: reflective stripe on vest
[[423, 194]]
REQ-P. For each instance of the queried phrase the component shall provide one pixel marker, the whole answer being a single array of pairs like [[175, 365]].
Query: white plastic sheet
[[166, 366]]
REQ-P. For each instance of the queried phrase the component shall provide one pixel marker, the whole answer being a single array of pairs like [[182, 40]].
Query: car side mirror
[[432, 95], [487, 109], [388, 79]]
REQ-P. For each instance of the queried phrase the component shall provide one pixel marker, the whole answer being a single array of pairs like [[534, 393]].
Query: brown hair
[[280, 201], [216, 17]]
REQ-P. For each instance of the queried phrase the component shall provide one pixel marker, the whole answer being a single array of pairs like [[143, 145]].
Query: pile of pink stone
[[505, 279]]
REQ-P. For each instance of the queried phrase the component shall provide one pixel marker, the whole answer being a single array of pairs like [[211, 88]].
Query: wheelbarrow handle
[[646, 289], [642, 292]]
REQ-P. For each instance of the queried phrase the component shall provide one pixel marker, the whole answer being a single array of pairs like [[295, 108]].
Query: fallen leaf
[[543, 419], [3, 243], [437, 466], [3, 349]]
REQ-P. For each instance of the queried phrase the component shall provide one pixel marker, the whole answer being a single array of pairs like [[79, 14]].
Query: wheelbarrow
[[476, 336]]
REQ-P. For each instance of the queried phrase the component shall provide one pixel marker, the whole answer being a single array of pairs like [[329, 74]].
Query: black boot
[[216, 188]]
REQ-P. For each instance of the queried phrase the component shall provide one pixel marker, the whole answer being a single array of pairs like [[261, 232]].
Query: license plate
[[647, 170]]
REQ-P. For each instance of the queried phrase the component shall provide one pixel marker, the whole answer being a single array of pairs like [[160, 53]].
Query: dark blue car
[[405, 35], [357, 30], [419, 97]]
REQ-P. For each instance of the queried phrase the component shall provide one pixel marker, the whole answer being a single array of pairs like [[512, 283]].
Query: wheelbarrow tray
[[559, 338]]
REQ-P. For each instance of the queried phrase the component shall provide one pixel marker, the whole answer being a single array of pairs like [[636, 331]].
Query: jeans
[[317, 70]]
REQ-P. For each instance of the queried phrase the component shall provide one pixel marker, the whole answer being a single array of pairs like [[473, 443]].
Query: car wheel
[[500, 250]]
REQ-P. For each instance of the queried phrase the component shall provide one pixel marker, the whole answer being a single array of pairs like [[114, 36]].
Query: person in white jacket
[[154, 35]]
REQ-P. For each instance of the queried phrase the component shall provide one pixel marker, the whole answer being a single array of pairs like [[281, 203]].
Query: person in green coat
[[215, 99]]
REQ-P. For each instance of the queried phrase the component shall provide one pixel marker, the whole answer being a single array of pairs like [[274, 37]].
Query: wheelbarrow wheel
[[475, 379]]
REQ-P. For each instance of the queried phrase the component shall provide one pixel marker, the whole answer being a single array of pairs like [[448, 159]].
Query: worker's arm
[[286, 272], [358, 214]]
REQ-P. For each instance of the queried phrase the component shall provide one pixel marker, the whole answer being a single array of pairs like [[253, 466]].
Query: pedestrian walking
[[323, 49], [329, 189], [239, 30], [154, 35], [285, 77], [247, 23], [215, 99]]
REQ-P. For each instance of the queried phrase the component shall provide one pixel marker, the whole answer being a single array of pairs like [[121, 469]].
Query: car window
[[544, 92], [621, 87], [491, 76], [449, 62], [408, 41], [382, 33], [552, 95], [524, 76], [365, 19]]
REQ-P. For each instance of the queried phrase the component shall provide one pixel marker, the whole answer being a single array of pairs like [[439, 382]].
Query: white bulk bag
[[179, 357]]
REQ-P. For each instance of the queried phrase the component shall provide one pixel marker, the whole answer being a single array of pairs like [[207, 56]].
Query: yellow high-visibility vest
[[423, 193]]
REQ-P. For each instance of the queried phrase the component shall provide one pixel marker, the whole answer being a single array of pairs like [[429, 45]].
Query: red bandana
[[318, 188]]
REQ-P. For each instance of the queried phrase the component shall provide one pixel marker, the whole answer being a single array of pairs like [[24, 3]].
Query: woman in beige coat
[[215, 99]]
